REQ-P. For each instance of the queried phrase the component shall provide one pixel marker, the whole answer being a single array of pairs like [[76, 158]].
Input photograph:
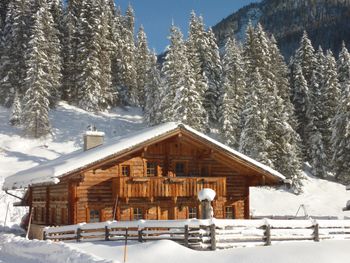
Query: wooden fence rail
[[205, 234]]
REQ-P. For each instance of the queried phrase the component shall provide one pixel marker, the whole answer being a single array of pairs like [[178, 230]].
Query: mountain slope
[[326, 22]]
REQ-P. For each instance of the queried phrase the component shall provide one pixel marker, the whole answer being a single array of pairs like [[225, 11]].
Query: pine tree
[[15, 41], [231, 102], [203, 54], [329, 100], [253, 141], [70, 44], [341, 137], [300, 99], [305, 57], [126, 64], [343, 67], [35, 117], [16, 111], [152, 92], [142, 66], [95, 87], [180, 98]]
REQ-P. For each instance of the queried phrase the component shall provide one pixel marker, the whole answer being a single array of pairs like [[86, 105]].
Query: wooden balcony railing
[[166, 186]]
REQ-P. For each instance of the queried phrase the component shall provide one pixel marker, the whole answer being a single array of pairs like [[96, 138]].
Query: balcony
[[130, 187]]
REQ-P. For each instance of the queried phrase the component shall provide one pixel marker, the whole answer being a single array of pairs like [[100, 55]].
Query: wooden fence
[[206, 234]]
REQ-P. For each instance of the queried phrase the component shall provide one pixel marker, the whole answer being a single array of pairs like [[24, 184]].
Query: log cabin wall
[[146, 185], [50, 204], [160, 181]]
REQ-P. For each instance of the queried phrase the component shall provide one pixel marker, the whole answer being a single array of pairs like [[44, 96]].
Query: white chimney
[[93, 138]]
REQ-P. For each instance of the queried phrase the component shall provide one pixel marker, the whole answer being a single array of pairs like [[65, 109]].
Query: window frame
[[183, 174], [138, 215], [192, 212], [94, 218], [122, 167], [155, 168], [228, 213]]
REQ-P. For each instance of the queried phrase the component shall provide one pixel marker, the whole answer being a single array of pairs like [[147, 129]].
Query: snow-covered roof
[[51, 171]]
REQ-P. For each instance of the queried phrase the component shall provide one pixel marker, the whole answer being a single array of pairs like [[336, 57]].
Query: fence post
[[317, 232], [186, 235], [212, 237], [268, 235], [78, 234], [106, 233], [139, 233]]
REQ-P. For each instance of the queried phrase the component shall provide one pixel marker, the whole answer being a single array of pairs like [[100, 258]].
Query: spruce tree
[[300, 99], [343, 67], [203, 54], [15, 42], [231, 102], [142, 66], [35, 117], [341, 137], [329, 100], [70, 44], [152, 92], [16, 111], [305, 57], [180, 98], [126, 64], [253, 141]]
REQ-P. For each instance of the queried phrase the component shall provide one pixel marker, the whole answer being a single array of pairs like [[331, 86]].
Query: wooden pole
[[30, 222], [126, 245], [213, 237], [7, 210], [115, 208], [317, 233], [186, 235], [268, 235]]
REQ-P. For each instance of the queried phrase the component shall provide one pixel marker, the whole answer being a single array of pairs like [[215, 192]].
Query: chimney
[[93, 138]]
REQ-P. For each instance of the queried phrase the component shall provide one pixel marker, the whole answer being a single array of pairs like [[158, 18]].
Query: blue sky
[[156, 15]]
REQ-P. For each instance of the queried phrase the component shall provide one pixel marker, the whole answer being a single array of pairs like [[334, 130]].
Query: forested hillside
[[326, 22], [88, 54]]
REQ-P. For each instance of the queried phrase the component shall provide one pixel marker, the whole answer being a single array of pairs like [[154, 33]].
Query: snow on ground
[[319, 197], [15, 249]]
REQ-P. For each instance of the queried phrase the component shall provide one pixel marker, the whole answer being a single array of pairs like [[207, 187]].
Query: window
[[180, 169], [205, 171], [192, 212], [94, 216], [125, 170], [137, 214], [151, 169], [229, 212]]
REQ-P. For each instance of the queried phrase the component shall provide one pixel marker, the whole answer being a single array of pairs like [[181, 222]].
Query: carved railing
[[166, 186]]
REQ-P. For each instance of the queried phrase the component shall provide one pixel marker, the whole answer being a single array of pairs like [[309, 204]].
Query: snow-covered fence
[[208, 234]]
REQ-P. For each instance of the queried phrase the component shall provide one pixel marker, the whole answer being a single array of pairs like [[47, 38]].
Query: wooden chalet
[[152, 174]]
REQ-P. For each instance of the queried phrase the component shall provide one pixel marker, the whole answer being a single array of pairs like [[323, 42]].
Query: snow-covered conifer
[[16, 111], [180, 98], [15, 42], [343, 67], [231, 98], [341, 137], [253, 141], [142, 66], [36, 102], [152, 91]]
